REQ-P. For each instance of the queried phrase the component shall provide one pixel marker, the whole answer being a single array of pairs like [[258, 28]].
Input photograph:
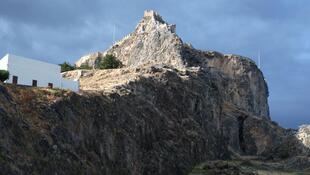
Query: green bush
[[109, 62], [66, 67], [4, 75], [84, 66]]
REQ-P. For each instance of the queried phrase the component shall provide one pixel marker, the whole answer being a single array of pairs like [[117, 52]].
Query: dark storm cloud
[[46, 13], [61, 30]]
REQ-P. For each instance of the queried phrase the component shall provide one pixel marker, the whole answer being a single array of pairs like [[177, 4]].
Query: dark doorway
[[50, 85], [241, 134], [15, 80], [34, 83]]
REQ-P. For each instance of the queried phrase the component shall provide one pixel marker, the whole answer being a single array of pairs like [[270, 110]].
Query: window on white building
[[15, 80], [34, 83], [50, 85]]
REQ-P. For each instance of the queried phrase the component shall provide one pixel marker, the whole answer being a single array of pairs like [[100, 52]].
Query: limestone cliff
[[303, 135], [168, 109], [155, 43]]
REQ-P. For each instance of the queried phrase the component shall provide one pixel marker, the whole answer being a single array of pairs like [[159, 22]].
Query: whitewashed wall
[[4, 63], [27, 70], [70, 84]]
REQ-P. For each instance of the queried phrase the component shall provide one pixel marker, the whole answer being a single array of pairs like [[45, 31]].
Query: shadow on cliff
[[165, 124], [168, 123]]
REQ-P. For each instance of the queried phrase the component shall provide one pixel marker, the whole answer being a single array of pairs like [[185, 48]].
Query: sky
[[64, 30]]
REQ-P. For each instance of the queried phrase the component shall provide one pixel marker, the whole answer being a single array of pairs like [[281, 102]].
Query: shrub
[[84, 66], [109, 62], [66, 67], [4, 75]]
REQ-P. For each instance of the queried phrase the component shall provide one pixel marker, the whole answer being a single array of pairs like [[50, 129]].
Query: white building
[[29, 72]]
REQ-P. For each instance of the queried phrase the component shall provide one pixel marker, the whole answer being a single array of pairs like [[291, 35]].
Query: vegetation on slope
[[66, 67], [110, 62], [4, 75], [106, 62]]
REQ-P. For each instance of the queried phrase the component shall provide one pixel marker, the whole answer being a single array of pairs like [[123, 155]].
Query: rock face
[[88, 59], [246, 167], [303, 135], [168, 109], [152, 41]]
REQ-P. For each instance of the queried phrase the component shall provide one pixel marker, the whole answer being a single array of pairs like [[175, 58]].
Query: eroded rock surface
[[248, 167], [153, 41], [303, 135]]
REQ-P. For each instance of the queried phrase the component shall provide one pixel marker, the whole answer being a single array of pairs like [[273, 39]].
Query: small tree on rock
[[66, 67], [4, 75], [109, 62], [84, 66]]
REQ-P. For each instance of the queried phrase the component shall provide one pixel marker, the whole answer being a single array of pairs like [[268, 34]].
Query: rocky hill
[[155, 43], [170, 108]]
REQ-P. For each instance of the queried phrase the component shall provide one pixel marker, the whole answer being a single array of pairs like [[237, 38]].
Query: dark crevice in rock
[[241, 133]]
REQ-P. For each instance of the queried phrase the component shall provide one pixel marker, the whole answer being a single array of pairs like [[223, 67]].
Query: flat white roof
[[29, 59]]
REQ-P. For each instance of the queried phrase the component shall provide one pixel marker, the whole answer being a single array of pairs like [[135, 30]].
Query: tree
[[84, 66], [4, 75], [109, 62], [66, 67]]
